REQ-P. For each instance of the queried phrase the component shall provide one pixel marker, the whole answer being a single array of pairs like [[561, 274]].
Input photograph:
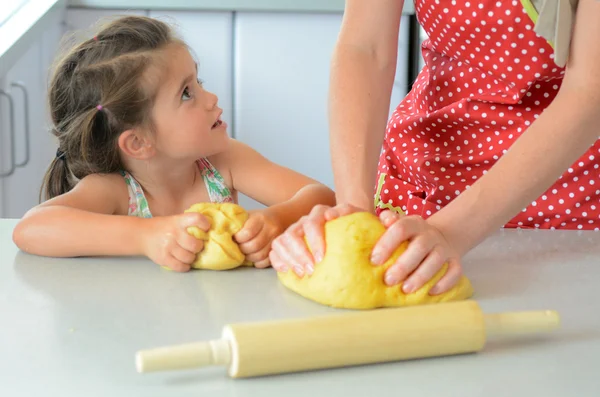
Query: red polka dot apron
[[487, 77]]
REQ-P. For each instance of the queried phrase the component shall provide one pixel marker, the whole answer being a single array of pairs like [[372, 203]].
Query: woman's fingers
[[415, 253], [403, 229], [428, 267], [449, 280]]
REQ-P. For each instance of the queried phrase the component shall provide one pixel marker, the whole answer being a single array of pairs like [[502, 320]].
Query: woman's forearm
[[359, 99], [83, 233], [564, 131]]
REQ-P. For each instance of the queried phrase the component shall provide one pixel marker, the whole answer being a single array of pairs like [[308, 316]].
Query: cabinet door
[[281, 86], [5, 140], [282, 63], [209, 35], [24, 83], [35, 146]]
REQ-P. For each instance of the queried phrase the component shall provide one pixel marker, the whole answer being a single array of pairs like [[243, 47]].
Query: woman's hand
[[290, 247], [167, 242], [257, 235], [427, 251]]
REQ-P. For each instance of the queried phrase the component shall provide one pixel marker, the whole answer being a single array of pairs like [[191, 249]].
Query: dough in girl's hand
[[346, 278], [220, 251]]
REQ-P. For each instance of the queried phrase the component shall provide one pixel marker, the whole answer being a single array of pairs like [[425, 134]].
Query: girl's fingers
[[262, 264], [259, 256], [428, 268], [176, 265], [183, 255], [251, 229], [255, 245], [189, 242]]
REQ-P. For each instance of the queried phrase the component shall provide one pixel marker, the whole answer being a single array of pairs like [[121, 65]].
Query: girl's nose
[[212, 99]]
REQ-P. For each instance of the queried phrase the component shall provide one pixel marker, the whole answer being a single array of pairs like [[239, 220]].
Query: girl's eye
[[200, 81], [186, 95]]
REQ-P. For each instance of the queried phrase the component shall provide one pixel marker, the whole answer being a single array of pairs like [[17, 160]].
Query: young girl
[[140, 141], [500, 130]]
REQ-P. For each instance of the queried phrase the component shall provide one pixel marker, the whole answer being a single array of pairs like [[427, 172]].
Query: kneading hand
[[290, 247], [168, 243], [256, 237], [427, 252]]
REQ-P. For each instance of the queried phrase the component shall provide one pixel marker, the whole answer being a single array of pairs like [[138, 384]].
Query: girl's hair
[[101, 88]]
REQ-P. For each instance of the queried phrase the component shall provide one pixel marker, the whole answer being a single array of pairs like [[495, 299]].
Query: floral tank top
[[215, 185]]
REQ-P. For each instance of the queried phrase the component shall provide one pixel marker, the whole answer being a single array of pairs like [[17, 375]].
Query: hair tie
[[60, 154], [95, 38], [99, 107]]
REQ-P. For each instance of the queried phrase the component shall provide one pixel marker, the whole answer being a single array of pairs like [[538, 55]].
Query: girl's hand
[[257, 235], [290, 247], [427, 252], [167, 242]]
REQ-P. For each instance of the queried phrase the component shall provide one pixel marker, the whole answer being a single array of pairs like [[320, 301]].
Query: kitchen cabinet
[[281, 84], [30, 144], [26, 83]]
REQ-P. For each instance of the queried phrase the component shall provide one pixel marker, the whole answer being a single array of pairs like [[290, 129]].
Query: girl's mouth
[[217, 123]]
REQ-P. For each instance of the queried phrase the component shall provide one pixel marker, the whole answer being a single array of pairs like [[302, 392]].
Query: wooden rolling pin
[[376, 336]]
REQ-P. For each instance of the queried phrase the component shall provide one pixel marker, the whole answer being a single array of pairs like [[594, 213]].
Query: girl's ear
[[136, 145]]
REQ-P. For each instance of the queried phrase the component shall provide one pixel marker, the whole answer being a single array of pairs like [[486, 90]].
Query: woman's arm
[[81, 222], [362, 75], [563, 132]]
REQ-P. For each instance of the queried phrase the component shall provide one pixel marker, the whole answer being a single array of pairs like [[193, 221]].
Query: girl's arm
[[91, 220], [565, 130], [82, 222], [288, 194], [362, 75]]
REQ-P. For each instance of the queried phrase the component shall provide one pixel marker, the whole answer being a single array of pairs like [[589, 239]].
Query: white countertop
[[71, 327], [226, 5]]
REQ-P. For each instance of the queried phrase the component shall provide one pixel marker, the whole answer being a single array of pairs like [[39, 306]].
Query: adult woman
[[490, 83]]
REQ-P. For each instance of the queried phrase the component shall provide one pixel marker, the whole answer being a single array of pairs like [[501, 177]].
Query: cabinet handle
[[11, 110], [23, 88]]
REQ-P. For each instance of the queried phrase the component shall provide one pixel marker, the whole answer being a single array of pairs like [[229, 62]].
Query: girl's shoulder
[[111, 187], [227, 161]]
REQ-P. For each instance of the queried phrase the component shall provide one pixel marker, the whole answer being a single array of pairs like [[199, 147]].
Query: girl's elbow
[[19, 235]]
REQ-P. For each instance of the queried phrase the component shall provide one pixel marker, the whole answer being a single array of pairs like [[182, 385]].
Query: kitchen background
[[267, 60]]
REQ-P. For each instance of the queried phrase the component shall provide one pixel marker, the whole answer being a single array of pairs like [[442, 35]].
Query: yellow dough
[[345, 278], [220, 251]]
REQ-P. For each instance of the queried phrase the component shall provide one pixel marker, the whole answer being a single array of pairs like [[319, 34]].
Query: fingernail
[[434, 290], [318, 256], [299, 271], [407, 288], [390, 279], [310, 268], [283, 269], [376, 257]]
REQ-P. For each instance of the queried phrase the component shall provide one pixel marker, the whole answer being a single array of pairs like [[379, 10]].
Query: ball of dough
[[220, 252], [346, 278]]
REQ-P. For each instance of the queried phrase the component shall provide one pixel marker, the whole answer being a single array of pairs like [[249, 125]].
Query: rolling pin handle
[[521, 323], [191, 355]]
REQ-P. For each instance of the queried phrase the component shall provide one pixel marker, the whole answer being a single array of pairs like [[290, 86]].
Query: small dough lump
[[346, 278], [220, 252]]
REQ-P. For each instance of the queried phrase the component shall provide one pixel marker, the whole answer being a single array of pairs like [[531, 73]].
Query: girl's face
[[186, 116]]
